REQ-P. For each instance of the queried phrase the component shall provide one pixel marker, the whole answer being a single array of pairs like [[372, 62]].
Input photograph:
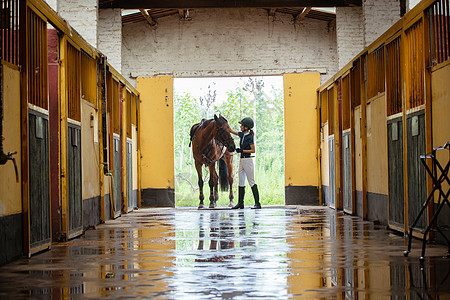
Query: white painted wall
[[229, 42], [110, 36], [349, 32], [412, 3], [379, 16], [82, 15]]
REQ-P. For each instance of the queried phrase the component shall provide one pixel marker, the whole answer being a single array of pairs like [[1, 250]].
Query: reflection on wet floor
[[273, 253]]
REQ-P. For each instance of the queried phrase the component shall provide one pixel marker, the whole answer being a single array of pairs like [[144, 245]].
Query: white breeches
[[246, 168]]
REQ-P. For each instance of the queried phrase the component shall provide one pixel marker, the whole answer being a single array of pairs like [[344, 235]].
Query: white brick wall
[[379, 16], [229, 42], [53, 4], [412, 3], [110, 36], [82, 16], [349, 32]]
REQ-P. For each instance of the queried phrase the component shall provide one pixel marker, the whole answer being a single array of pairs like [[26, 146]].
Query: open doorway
[[260, 98]]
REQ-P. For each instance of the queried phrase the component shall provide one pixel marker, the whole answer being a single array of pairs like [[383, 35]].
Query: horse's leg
[[213, 180], [198, 167], [229, 162]]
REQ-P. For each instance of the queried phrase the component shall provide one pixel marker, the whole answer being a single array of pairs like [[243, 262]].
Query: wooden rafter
[[148, 17], [192, 4], [303, 14]]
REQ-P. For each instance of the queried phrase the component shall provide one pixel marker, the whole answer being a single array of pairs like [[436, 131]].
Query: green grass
[[270, 186]]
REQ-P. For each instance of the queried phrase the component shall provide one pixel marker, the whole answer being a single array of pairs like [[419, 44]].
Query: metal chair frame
[[438, 175]]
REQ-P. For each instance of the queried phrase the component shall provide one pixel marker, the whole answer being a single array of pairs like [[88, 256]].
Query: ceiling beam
[[148, 17], [184, 4], [303, 14]]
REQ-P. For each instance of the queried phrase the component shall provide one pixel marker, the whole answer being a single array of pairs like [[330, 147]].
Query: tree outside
[[250, 98]]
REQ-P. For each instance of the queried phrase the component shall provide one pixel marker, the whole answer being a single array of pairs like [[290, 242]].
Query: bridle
[[222, 135]]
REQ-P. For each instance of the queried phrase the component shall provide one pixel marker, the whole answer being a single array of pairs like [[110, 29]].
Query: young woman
[[246, 165]]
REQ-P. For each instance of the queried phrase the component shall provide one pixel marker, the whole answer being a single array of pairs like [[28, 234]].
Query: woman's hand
[[233, 132]]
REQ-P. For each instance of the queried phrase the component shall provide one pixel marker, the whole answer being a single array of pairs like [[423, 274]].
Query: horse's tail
[[192, 133], [223, 175]]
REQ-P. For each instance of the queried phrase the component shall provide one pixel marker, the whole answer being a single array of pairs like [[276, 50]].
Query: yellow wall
[[10, 190], [441, 111], [358, 149], [377, 165], [89, 152], [325, 162], [300, 127], [156, 121]]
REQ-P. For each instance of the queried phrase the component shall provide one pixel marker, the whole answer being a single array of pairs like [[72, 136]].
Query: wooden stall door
[[346, 146], [395, 170], [347, 171], [38, 224], [72, 201], [117, 178], [332, 172], [40, 236], [415, 122], [395, 135], [74, 178], [130, 201], [417, 177]]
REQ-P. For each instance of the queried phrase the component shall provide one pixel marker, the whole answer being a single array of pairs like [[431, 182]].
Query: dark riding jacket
[[245, 141]]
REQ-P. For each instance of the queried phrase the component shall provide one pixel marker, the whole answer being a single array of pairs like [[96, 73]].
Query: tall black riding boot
[[256, 196], [241, 193]]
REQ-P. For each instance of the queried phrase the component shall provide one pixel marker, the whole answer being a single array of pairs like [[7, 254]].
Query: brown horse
[[211, 142]]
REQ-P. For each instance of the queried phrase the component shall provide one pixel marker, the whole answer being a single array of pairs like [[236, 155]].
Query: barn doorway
[[258, 97]]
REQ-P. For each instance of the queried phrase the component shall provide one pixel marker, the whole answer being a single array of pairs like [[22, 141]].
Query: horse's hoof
[[200, 206], [212, 205], [231, 204]]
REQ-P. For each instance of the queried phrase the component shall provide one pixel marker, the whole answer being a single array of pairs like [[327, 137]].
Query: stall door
[[395, 170], [38, 224], [39, 182], [117, 176], [417, 178], [74, 180], [347, 172], [332, 173], [130, 201]]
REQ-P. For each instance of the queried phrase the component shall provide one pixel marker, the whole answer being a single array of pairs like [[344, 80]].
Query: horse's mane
[[205, 123], [202, 124]]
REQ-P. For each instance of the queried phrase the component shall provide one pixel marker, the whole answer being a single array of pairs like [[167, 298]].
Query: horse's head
[[223, 133]]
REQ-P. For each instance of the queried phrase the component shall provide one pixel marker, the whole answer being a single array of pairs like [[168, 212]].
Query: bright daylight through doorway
[[260, 98]]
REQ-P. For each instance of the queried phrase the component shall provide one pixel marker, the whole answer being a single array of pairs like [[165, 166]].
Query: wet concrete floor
[[274, 253]]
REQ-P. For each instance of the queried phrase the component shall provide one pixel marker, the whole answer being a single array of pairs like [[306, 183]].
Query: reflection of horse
[[211, 141], [221, 237]]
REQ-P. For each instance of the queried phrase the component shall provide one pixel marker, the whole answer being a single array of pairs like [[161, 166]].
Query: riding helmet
[[247, 122]]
